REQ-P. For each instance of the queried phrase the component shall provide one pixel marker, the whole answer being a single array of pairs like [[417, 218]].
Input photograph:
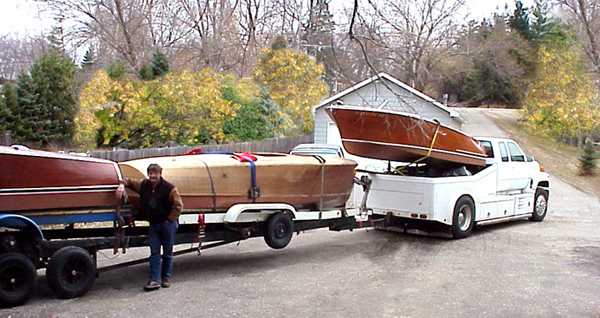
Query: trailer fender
[[234, 211], [21, 222]]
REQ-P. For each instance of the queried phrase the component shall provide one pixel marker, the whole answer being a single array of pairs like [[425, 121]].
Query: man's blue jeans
[[161, 234]]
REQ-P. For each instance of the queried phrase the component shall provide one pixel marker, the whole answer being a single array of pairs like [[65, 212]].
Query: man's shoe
[[152, 285], [165, 283]]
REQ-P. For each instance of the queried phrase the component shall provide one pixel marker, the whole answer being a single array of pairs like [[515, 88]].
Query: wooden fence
[[5, 139], [270, 145]]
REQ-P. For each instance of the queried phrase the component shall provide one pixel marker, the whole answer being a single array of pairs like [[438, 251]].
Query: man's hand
[[120, 191]]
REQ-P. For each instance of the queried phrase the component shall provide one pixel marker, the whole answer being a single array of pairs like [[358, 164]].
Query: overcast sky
[[28, 17]]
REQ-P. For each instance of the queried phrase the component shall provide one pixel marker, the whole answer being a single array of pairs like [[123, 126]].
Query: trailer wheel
[[71, 272], [17, 279], [463, 218], [540, 206], [278, 233]]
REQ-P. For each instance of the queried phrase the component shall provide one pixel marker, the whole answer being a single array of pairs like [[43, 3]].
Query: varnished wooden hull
[[215, 182], [396, 136], [34, 182]]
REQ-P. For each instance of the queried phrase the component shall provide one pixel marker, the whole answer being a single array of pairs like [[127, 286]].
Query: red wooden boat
[[215, 182], [397, 136], [34, 182]]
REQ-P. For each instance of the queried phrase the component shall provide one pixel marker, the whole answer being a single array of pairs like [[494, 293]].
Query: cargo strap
[[201, 232], [322, 162], [437, 130], [254, 191], [212, 185], [119, 231]]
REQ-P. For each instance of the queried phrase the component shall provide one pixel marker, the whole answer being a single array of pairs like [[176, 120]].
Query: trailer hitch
[[365, 182]]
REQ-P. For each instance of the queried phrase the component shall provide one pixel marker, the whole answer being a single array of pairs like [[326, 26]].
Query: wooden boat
[[397, 136], [37, 182], [215, 182]]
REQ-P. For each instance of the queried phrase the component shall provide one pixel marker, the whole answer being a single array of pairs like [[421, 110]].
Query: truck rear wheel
[[540, 205], [17, 279], [71, 272], [463, 218], [279, 230]]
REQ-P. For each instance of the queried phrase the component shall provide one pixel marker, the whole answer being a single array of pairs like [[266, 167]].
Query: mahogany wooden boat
[[215, 182], [39, 182], [396, 136]]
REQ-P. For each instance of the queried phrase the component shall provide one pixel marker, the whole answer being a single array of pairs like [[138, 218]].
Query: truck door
[[512, 168], [521, 170]]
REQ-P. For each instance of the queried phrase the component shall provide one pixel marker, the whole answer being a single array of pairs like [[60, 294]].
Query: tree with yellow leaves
[[562, 99], [295, 83], [181, 107]]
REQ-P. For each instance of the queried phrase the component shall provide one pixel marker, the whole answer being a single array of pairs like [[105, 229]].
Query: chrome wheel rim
[[464, 218], [540, 205]]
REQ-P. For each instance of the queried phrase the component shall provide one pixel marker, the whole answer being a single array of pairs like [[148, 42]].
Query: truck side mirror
[[529, 159]]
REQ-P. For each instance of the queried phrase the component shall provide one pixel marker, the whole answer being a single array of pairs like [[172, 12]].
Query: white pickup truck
[[453, 200]]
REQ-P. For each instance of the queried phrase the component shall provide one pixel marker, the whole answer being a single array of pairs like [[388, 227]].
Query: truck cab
[[514, 168]]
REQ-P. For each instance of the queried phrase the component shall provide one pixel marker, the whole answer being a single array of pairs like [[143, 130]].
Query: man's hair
[[154, 167]]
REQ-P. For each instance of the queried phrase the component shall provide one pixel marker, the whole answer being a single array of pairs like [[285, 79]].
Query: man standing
[[161, 205]]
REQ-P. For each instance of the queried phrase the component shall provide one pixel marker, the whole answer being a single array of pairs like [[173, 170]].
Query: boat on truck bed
[[398, 136]]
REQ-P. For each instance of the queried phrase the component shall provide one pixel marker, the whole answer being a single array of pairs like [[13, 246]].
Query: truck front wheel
[[463, 218], [540, 206]]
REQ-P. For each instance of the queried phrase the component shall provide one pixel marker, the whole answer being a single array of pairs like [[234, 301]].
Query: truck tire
[[540, 205], [463, 218], [279, 230], [71, 272], [17, 279]]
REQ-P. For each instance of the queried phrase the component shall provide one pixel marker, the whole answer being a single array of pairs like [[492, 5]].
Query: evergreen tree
[[256, 119], [47, 100], [318, 36], [146, 73], [116, 70], [4, 115], [158, 67], [160, 64], [8, 107], [519, 21], [88, 59], [588, 160], [26, 114]]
